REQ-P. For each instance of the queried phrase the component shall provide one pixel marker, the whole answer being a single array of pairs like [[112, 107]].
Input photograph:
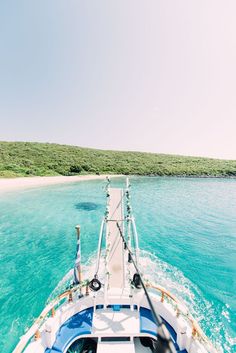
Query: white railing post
[[136, 240], [99, 246]]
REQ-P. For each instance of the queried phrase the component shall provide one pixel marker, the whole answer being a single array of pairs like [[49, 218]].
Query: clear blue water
[[187, 229]]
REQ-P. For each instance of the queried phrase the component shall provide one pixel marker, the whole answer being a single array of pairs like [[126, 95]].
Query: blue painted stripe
[[116, 307], [75, 326], [123, 306], [147, 322], [99, 306], [148, 325]]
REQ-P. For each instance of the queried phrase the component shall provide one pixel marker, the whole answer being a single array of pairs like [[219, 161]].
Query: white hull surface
[[117, 316]]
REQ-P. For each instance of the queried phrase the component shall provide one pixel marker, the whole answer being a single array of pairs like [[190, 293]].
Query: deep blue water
[[186, 226]]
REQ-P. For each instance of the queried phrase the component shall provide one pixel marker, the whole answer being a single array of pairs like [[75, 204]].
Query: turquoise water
[[187, 230]]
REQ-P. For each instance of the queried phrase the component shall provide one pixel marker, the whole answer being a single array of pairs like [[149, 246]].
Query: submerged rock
[[87, 206]]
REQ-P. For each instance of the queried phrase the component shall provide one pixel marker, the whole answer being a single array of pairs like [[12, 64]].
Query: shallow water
[[187, 230]]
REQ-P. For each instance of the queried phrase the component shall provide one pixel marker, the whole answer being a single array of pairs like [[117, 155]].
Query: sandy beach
[[7, 184]]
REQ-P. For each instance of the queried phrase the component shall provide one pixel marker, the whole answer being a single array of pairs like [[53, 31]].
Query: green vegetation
[[29, 159]]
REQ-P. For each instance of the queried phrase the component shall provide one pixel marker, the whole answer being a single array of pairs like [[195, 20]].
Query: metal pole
[[77, 268], [99, 246], [136, 240]]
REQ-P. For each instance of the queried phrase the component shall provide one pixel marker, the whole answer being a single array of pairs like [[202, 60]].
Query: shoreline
[[19, 183], [11, 184]]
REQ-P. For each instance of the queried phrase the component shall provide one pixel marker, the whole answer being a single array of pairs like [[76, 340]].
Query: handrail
[[34, 329], [196, 329], [51, 307]]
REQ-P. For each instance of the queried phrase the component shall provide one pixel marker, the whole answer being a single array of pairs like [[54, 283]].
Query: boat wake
[[214, 321]]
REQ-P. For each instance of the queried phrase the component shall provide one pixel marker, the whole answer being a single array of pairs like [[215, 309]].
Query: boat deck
[[114, 241], [113, 347], [115, 323]]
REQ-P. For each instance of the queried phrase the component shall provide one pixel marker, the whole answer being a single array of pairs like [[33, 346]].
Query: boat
[[116, 310]]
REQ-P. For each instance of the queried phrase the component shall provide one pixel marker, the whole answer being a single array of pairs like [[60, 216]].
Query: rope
[[164, 339]]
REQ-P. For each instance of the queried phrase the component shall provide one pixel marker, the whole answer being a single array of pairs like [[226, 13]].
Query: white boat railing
[[50, 309], [165, 295], [197, 332]]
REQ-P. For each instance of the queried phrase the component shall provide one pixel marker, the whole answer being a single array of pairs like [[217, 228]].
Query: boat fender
[[137, 281], [95, 284]]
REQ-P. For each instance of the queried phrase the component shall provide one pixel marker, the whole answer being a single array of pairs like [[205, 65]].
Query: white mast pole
[[77, 268]]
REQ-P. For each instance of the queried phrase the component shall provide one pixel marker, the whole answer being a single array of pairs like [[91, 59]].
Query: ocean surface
[[187, 231]]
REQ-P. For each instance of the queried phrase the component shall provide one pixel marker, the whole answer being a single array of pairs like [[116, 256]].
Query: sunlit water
[[187, 230]]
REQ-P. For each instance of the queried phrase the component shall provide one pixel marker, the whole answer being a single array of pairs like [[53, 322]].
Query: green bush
[[26, 159], [76, 169]]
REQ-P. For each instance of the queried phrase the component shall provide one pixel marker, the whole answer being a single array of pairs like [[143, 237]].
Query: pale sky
[[156, 76]]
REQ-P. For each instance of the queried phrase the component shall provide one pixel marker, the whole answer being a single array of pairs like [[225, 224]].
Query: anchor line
[[164, 338]]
